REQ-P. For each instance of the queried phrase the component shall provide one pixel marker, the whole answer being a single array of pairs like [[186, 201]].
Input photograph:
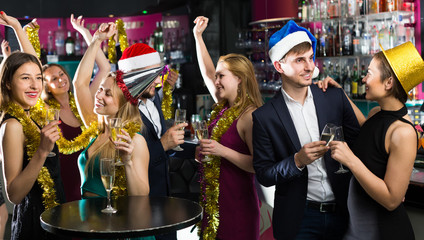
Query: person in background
[[160, 140], [383, 156], [25, 144], [58, 94], [230, 174], [310, 198]]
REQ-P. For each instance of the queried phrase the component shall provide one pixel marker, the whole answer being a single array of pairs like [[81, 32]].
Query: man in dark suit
[[159, 140], [310, 199]]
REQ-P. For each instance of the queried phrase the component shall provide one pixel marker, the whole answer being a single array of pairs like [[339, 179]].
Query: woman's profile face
[[106, 102], [226, 82], [26, 85], [374, 87], [57, 80]]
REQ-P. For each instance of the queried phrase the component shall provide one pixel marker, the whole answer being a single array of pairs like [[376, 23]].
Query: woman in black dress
[[383, 155]]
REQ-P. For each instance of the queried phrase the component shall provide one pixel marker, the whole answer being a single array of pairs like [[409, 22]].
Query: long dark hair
[[46, 95], [9, 67]]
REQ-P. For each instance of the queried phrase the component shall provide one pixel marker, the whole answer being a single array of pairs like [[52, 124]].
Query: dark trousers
[[318, 225]]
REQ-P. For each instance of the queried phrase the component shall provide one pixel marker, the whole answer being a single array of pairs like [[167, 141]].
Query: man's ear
[[277, 66]]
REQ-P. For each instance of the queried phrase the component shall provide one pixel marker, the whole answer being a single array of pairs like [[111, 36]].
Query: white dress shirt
[[149, 110], [306, 124]]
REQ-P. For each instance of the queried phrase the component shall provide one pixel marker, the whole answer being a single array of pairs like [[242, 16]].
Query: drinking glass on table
[[52, 115], [202, 133], [115, 126], [107, 172], [180, 117], [338, 136]]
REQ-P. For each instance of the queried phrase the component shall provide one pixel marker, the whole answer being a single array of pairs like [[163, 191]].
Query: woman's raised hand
[[78, 24], [32, 24], [5, 48], [105, 31], [8, 20], [125, 146], [201, 24]]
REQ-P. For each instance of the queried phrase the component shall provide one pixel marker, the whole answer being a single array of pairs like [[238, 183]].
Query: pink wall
[[265, 9]]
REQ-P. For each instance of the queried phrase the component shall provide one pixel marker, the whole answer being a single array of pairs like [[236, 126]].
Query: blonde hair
[[248, 90], [127, 112]]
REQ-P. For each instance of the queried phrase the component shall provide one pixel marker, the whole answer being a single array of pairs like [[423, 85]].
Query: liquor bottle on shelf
[[305, 6], [354, 83], [60, 39], [352, 8], [347, 41], [337, 42], [392, 37], [333, 9], [347, 82], [323, 9], [363, 7], [391, 5], [356, 40], [311, 11], [70, 45], [323, 38], [374, 6], [50, 43], [374, 41], [78, 47], [361, 86], [366, 41], [158, 37], [383, 36], [329, 45], [299, 9]]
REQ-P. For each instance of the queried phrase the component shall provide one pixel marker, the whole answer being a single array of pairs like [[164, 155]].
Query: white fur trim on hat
[[138, 62], [288, 42]]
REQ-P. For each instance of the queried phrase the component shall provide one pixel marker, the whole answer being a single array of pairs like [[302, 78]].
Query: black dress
[[368, 219], [26, 215]]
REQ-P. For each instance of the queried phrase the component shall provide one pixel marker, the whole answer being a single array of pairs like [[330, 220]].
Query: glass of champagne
[[202, 133], [328, 133], [180, 117], [107, 172], [115, 126], [52, 115], [338, 136], [195, 120]]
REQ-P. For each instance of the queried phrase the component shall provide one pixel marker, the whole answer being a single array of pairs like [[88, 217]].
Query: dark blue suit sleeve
[[268, 146]]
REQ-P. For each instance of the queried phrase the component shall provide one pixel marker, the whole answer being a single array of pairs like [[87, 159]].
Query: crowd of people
[[277, 143]]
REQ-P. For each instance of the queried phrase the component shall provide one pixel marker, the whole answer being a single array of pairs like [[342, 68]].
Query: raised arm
[[204, 60], [23, 40], [101, 60], [81, 82]]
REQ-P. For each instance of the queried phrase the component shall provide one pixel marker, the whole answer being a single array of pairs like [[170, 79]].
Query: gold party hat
[[406, 63]]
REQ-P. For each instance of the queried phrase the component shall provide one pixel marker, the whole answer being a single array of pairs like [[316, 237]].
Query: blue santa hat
[[282, 41]]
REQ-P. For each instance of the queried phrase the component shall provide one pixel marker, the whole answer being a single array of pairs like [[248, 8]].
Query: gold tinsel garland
[[32, 33], [81, 141], [32, 142], [123, 41], [120, 186], [209, 200], [167, 98]]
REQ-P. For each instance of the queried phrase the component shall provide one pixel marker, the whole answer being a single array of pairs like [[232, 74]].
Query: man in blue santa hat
[[310, 198]]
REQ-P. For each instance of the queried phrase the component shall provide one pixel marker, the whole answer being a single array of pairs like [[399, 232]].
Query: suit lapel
[[158, 105], [148, 125], [284, 115]]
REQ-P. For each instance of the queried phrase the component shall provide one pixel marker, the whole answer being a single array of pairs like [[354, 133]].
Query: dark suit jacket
[[275, 141], [159, 159]]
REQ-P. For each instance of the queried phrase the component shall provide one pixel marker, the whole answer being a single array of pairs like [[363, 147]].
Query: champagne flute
[[52, 115], [328, 133], [115, 129], [180, 117], [107, 172], [202, 133], [195, 120], [338, 136]]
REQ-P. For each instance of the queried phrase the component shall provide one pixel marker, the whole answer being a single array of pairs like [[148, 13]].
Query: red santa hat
[[139, 55]]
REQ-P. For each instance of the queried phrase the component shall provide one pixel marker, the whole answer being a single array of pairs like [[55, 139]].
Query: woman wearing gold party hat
[[383, 155]]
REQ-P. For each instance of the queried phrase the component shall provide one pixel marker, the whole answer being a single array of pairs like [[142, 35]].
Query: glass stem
[[109, 205]]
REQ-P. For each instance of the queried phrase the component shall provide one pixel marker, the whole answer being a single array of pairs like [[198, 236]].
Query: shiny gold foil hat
[[407, 64]]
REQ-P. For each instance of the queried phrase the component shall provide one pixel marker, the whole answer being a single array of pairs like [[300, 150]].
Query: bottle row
[[316, 10], [360, 38]]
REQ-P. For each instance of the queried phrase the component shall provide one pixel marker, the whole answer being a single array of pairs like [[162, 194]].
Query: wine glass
[[107, 171], [202, 133], [195, 120], [328, 133], [338, 136], [52, 115], [115, 126], [180, 117]]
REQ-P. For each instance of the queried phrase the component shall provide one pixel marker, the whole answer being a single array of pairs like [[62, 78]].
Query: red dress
[[69, 165]]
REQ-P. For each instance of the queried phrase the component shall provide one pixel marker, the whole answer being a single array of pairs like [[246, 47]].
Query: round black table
[[137, 216]]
